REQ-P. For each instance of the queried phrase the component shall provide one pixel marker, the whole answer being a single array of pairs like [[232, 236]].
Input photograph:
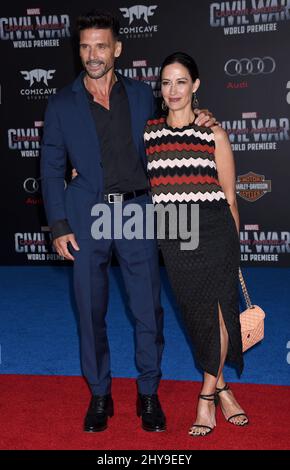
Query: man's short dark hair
[[99, 19]]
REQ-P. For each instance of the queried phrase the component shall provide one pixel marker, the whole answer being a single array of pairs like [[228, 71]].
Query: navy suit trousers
[[138, 260]]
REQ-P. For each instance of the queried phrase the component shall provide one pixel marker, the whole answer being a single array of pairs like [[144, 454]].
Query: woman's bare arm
[[226, 170]]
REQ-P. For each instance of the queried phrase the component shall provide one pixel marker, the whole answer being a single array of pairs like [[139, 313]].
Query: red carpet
[[40, 412]]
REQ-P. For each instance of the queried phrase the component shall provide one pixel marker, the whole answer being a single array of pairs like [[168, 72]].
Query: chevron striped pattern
[[181, 163], [191, 197]]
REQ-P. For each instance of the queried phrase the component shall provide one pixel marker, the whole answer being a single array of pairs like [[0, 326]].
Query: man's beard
[[98, 73]]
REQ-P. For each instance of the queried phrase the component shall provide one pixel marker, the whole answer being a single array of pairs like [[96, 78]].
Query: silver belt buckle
[[116, 197]]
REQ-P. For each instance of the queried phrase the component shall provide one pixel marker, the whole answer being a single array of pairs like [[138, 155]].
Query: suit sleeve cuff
[[60, 228]]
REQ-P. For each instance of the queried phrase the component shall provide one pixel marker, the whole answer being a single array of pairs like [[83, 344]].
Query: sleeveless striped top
[[181, 163]]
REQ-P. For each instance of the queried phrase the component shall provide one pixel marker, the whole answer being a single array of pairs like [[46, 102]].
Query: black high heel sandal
[[212, 397], [243, 423]]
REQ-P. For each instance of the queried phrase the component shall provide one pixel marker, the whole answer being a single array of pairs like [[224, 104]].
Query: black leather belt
[[120, 197]]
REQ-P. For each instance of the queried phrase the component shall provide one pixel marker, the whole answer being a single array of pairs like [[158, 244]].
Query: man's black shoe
[[149, 408], [101, 407]]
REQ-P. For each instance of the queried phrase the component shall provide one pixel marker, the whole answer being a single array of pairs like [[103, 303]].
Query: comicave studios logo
[[139, 21], [36, 78], [249, 16], [252, 133], [34, 29], [261, 246], [26, 141], [252, 187], [141, 71]]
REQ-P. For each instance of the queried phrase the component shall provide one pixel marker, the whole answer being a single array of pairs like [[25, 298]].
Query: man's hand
[[60, 245], [74, 173], [205, 118]]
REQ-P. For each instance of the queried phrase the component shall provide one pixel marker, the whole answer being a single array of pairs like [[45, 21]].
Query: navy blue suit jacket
[[69, 132]]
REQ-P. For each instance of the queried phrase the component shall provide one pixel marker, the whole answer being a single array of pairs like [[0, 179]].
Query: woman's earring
[[164, 106], [194, 101]]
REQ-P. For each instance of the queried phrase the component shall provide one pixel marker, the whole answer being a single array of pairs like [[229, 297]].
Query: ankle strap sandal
[[212, 397], [240, 423], [207, 429]]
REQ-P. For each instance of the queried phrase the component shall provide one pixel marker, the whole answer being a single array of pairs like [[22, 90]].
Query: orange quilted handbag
[[251, 319]]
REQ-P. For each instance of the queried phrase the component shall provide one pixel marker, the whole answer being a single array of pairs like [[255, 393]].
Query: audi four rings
[[32, 185], [254, 66]]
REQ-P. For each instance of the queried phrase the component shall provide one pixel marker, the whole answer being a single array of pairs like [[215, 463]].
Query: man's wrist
[[60, 228]]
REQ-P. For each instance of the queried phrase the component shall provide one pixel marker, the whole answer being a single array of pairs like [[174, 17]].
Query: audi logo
[[254, 66], [32, 185]]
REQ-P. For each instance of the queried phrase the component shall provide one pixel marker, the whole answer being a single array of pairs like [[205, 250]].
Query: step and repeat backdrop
[[242, 51]]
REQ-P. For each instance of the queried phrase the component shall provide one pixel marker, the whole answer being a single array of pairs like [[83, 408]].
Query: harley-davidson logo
[[252, 187]]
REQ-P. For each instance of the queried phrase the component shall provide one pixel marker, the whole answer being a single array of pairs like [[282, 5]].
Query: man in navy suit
[[98, 123]]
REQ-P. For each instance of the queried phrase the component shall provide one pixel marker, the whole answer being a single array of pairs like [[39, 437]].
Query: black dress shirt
[[122, 166]]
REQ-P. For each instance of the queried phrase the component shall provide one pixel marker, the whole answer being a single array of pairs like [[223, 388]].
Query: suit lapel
[[85, 114], [134, 108]]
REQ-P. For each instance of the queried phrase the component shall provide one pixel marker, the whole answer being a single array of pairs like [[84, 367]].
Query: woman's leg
[[206, 409], [228, 402], [205, 414]]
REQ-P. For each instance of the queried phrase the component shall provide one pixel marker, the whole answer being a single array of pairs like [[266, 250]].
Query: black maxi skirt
[[205, 277]]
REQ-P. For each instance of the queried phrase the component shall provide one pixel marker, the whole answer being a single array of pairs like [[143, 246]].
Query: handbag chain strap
[[245, 290]]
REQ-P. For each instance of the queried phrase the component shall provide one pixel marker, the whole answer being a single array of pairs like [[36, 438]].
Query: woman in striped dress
[[188, 164]]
